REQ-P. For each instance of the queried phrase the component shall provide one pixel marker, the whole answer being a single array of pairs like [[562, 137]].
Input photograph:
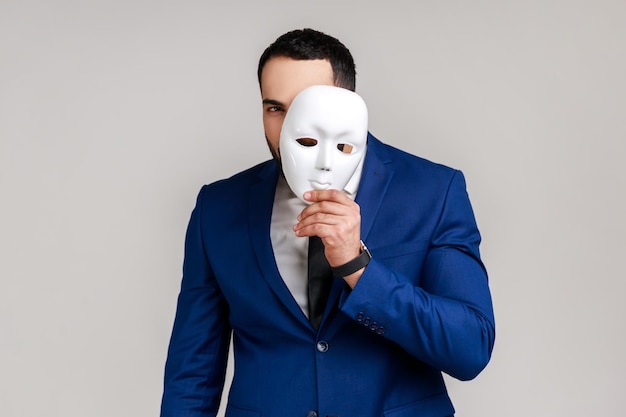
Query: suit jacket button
[[374, 326], [322, 346], [380, 330], [367, 321], [311, 413], [359, 317]]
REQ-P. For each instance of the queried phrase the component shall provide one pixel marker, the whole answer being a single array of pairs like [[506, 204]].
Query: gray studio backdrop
[[114, 113]]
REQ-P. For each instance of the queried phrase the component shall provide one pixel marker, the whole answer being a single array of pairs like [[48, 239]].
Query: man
[[419, 307]]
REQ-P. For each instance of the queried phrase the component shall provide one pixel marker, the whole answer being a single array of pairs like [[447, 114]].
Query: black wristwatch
[[354, 265]]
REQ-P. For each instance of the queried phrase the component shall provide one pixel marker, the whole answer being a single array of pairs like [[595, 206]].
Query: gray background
[[114, 113]]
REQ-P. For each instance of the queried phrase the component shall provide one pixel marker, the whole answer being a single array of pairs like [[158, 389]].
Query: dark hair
[[309, 44]]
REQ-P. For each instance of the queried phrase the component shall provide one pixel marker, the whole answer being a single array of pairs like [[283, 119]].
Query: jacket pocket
[[406, 258], [438, 405], [399, 250], [233, 411]]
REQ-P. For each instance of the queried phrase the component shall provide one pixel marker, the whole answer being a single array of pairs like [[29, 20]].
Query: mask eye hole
[[307, 142], [346, 148]]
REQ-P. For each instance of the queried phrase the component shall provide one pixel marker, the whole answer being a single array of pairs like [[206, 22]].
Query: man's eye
[[274, 108], [307, 141], [345, 148]]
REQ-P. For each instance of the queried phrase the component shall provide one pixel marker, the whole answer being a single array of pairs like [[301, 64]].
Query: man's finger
[[326, 195]]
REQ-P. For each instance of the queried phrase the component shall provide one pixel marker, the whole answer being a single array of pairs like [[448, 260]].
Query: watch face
[[365, 249]]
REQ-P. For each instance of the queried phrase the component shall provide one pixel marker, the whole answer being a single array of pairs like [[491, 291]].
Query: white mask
[[323, 139]]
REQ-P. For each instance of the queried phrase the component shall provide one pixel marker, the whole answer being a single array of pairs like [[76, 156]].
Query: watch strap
[[354, 265]]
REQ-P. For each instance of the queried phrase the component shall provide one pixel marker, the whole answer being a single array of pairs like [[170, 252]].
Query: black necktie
[[320, 280]]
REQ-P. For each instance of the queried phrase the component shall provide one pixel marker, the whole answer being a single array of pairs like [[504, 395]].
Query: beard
[[276, 156]]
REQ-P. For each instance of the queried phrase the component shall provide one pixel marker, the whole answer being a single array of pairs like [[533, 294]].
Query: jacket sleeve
[[198, 352], [446, 320]]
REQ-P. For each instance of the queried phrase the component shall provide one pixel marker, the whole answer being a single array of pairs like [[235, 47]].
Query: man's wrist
[[355, 264]]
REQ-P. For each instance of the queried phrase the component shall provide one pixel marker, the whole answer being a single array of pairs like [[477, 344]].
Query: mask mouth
[[321, 180], [319, 185]]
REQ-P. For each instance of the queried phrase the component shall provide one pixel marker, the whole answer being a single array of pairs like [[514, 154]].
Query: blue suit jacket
[[421, 307]]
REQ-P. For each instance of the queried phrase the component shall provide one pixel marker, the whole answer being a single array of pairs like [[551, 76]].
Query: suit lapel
[[260, 214], [377, 174]]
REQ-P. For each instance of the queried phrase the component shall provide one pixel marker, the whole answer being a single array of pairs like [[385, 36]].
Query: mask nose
[[324, 160]]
